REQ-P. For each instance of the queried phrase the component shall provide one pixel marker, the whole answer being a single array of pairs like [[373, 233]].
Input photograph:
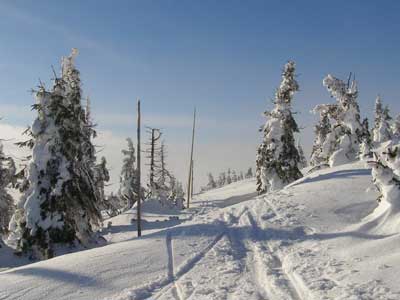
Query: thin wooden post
[[138, 187], [190, 179]]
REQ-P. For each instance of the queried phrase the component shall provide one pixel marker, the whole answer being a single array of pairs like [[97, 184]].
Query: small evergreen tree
[[377, 119], [319, 154], [222, 179], [366, 144], [241, 176], [229, 177], [211, 182], [249, 173], [101, 176], [234, 176], [179, 195], [396, 128], [382, 131], [7, 173], [127, 180], [303, 160], [277, 156]]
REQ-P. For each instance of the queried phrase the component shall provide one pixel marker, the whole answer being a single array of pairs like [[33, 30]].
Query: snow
[[307, 241]]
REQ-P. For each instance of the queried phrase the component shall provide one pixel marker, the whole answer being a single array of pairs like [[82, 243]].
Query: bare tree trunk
[[152, 158], [190, 180], [138, 188]]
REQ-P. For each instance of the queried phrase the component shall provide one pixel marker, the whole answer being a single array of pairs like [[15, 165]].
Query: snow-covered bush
[[60, 204], [277, 156], [386, 177]]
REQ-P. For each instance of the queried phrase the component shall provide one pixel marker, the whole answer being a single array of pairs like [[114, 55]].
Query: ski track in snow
[[255, 257], [269, 273], [159, 289]]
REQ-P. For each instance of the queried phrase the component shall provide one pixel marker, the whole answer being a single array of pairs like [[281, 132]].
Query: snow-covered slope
[[307, 241]]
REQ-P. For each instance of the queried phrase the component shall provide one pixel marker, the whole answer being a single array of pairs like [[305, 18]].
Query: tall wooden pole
[[138, 187], [190, 179]]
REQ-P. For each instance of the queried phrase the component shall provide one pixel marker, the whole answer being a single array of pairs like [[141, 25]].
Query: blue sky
[[224, 57]]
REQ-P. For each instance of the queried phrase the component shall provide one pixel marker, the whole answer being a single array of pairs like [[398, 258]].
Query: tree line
[[226, 178]]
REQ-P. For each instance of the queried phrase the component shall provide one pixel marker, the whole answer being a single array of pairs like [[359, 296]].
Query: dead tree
[[163, 174], [153, 154]]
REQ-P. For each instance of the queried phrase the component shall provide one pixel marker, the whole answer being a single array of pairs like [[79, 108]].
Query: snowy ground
[[304, 242]]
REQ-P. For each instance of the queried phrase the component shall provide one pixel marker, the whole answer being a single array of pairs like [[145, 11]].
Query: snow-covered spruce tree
[[241, 176], [382, 131], [211, 182], [396, 128], [277, 156], [176, 195], [179, 195], [128, 178], [60, 206], [378, 115], [229, 177], [234, 176], [320, 149], [101, 176], [303, 160], [222, 179], [89, 151], [346, 134], [249, 173], [366, 142], [7, 173]]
